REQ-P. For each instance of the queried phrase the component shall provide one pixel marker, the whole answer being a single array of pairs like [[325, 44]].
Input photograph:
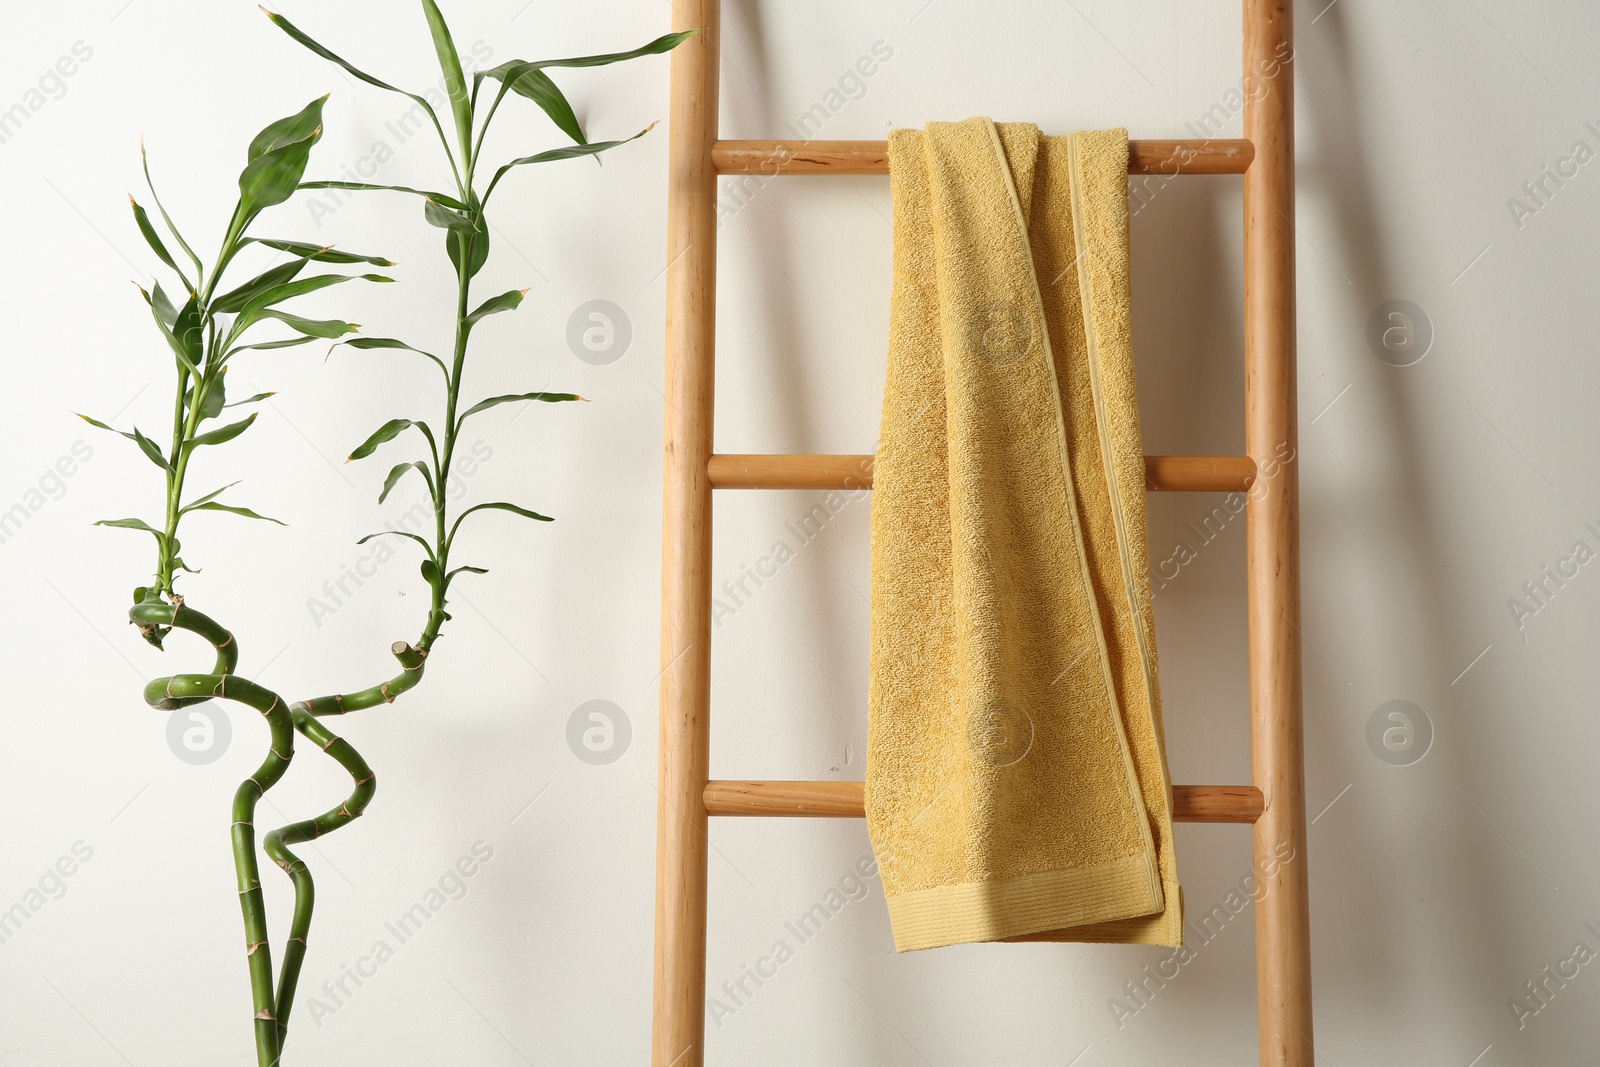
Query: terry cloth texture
[[1017, 784]]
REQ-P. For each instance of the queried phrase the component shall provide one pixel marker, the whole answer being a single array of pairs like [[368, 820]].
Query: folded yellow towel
[[1016, 779]]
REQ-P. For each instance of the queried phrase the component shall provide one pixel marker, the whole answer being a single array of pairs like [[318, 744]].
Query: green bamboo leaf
[[498, 505], [390, 342], [305, 125], [517, 68], [223, 434], [212, 505], [300, 287], [494, 401], [445, 218], [385, 342], [188, 329], [299, 36], [399, 533], [208, 497], [273, 178], [144, 159], [101, 425], [188, 357], [277, 164], [162, 304], [142, 219], [148, 447], [387, 432], [327, 329], [537, 86], [265, 345], [236, 299], [215, 397], [259, 396], [134, 524], [458, 570], [570, 152], [430, 572], [399, 472], [476, 258], [321, 254], [496, 304], [363, 187], [455, 82]]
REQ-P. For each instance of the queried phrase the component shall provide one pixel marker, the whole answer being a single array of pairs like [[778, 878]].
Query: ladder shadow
[[795, 423], [1381, 847]]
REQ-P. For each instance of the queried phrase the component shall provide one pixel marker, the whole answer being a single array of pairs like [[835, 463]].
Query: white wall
[[1431, 494]]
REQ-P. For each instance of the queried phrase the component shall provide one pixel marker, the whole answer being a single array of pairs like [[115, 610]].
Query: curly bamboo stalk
[[181, 690], [276, 845]]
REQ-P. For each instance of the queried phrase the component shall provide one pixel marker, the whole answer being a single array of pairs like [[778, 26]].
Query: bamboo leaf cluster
[[209, 329], [461, 214]]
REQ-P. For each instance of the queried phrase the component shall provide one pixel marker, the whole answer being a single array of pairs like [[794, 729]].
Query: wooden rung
[[872, 157], [846, 800], [1183, 474]]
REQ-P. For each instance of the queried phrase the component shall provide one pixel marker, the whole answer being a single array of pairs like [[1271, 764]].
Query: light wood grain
[[1188, 474], [1283, 933], [846, 800], [773, 158], [678, 1029]]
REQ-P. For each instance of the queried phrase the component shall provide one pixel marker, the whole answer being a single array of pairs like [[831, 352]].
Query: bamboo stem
[[179, 690], [278, 841]]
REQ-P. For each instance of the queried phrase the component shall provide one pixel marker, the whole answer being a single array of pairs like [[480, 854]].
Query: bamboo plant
[[209, 330], [205, 334]]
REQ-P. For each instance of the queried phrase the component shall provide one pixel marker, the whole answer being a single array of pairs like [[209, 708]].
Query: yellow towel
[[1017, 784]]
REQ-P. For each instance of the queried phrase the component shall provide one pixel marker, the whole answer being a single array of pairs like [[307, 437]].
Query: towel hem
[[1124, 888]]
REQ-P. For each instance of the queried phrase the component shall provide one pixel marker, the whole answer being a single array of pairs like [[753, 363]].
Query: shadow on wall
[[757, 226], [1357, 932]]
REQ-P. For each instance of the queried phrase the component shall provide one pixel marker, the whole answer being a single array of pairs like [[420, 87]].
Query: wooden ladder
[[1274, 802]]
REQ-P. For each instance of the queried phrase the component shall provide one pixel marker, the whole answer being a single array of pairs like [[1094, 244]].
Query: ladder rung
[[1191, 474], [846, 800], [872, 157]]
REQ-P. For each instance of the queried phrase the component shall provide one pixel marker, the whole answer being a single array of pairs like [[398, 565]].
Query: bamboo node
[[251, 946], [267, 1016], [227, 641], [384, 689]]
